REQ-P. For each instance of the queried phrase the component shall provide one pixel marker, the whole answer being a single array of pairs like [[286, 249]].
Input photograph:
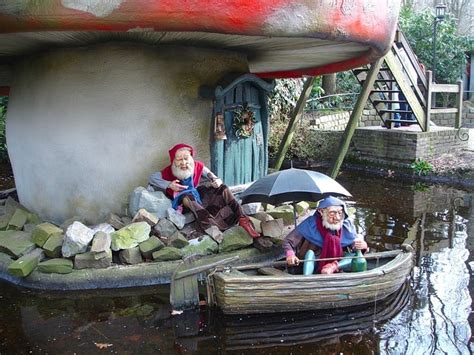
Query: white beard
[[331, 226], [183, 174]]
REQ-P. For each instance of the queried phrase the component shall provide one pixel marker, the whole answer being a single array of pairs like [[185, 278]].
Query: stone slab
[[88, 261], [56, 266], [43, 231], [52, 247], [26, 264], [149, 246]]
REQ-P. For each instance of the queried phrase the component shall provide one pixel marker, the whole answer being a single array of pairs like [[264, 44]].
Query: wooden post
[[429, 96], [458, 121], [290, 130], [355, 117]]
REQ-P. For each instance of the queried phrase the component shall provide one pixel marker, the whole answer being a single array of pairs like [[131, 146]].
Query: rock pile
[[155, 233]]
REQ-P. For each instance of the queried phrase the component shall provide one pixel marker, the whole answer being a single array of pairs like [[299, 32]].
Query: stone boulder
[[130, 236], [285, 212], [101, 242], [89, 261], [16, 243], [4, 219], [215, 233], [256, 224], [177, 240], [167, 254], [201, 246], [131, 256], [43, 231], [65, 225], [103, 227], [177, 218], [23, 266], [164, 228], [52, 247], [154, 202], [56, 266], [144, 216], [18, 220], [273, 229], [78, 237], [115, 221], [11, 205], [235, 238], [262, 216], [252, 208], [149, 246], [302, 207]]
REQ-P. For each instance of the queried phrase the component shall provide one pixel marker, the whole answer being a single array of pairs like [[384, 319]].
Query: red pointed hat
[[172, 151]]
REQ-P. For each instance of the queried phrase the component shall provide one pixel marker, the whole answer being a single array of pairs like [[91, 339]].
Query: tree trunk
[[329, 84]]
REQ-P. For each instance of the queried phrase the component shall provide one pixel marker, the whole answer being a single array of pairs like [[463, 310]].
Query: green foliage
[[347, 82], [3, 141], [450, 46], [282, 100], [420, 187], [307, 144], [422, 167]]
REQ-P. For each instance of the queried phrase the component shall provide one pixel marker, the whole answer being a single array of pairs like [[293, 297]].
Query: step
[[394, 111], [385, 90], [385, 80], [363, 70], [401, 121], [376, 102]]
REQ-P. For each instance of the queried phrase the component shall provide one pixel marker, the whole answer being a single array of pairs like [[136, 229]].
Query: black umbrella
[[293, 185]]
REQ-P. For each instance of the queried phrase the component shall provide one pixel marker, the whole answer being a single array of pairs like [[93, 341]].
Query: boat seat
[[270, 271]]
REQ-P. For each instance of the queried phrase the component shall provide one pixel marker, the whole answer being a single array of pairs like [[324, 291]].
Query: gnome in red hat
[[211, 205]]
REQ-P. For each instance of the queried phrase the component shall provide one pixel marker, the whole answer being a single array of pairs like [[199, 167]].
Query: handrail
[[411, 55], [444, 88]]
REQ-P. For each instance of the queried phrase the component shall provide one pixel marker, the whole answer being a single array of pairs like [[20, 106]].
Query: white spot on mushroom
[[99, 8], [291, 19]]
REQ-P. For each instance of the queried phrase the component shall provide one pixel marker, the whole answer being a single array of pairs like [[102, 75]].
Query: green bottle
[[359, 263]]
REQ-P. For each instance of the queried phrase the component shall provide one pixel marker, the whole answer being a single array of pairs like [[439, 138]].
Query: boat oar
[[378, 255]]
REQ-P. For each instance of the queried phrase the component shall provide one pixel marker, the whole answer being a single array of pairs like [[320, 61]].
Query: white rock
[[251, 208], [103, 227], [78, 236]]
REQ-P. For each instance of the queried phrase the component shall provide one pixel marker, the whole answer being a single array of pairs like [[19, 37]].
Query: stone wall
[[448, 119], [370, 118], [334, 122], [338, 121], [401, 148]]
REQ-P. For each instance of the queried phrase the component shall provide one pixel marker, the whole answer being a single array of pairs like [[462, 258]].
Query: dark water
[[432, 315]]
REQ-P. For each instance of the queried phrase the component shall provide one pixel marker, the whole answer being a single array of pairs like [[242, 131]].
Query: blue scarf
[[309, 230], [190, 190]]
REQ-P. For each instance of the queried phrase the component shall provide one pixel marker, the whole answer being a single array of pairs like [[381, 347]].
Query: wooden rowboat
[[241, 290]]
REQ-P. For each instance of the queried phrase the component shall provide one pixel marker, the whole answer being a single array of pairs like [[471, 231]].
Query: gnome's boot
[[330, 268], [246, 224]]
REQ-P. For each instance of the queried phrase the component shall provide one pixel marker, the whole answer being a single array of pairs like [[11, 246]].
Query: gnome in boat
[[212, 205], [327, 234]]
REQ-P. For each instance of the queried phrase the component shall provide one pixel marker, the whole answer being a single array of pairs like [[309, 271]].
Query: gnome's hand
[[216, 183], [176, 186]]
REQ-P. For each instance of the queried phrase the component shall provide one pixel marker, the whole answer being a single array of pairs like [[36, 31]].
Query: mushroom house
[[99, 90]]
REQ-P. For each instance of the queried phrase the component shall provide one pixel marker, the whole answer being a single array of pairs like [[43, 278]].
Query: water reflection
[[430, 316]]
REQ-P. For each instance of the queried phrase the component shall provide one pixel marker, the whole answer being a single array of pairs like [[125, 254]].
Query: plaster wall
[[87, 125]]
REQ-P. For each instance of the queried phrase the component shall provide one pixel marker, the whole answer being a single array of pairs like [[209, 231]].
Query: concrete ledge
[[121, 276]]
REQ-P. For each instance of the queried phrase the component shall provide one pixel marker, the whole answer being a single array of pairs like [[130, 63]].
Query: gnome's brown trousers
[[219, 207]]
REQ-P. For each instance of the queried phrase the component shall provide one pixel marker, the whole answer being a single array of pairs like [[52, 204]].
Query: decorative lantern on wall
[[219, 127]]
